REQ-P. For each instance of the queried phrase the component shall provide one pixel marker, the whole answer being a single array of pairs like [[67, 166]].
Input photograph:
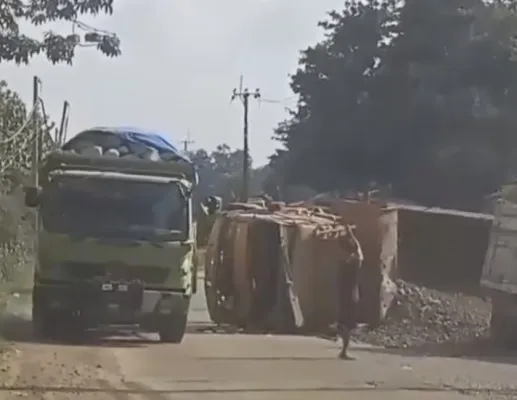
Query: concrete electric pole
[[186, 142], [244, 96]]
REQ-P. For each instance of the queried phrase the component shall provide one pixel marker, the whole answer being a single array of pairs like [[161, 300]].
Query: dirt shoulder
[[9, 357], [42, 371], [37, 368], [46, 371]]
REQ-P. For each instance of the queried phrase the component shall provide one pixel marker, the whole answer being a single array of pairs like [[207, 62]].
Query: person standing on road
[[348, 289]]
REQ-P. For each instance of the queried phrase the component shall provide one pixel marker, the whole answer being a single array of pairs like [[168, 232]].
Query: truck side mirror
[[32, 196]]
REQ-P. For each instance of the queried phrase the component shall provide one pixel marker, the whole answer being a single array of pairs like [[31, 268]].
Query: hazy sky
[[181, 60]]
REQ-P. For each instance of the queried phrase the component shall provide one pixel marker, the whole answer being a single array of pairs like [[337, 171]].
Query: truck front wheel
[[502, 331], [173, 328], [43, 324]]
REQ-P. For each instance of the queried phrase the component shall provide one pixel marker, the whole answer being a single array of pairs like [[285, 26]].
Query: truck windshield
[[115, 207]]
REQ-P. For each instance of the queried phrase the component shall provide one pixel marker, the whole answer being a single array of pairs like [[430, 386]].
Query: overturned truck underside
[[276, 270]]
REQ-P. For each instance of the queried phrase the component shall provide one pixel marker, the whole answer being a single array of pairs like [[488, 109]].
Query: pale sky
[[181, 60]]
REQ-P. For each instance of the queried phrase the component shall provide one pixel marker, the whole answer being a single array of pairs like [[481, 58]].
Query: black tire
[[43, 323], [174, 328], [194, 275], [501, 331], [53, 325]]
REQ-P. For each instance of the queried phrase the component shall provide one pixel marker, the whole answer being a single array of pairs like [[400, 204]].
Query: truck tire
[[194, 277], [502, 331], [174, 328], [43, 323]]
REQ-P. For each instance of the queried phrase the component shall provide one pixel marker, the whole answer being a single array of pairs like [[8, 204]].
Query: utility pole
[[36, 146], [186, 142], [61, 136], [244, 96]]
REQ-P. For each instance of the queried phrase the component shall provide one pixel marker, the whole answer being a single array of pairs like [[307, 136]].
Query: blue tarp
[[130, 135]]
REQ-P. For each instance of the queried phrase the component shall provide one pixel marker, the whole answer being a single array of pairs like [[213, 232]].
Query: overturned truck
[[275, 269]]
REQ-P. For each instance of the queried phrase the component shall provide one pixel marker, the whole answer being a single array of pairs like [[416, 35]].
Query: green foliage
[[15, 151], [15, 162], [20, 48], [220, 173], [419, 96]]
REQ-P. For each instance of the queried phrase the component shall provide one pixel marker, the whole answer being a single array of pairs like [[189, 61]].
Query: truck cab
[[116, 238]]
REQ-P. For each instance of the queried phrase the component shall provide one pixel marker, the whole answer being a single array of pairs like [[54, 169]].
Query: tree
[[16, 136], [458, 85], [20, 48], [220, 173], [17, 132], [418, 95]]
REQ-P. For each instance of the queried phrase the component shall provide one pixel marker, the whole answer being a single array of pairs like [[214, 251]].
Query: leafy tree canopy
[[419, 95], [20, 48], [16, 135], [220, 173]]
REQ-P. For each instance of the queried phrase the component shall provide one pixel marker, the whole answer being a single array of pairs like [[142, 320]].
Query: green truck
[[116, 238]]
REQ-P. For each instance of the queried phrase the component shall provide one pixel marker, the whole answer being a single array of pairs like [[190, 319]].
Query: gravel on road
[[421, 317]]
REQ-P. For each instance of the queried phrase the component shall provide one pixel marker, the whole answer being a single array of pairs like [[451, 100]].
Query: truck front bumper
[[96, 304]]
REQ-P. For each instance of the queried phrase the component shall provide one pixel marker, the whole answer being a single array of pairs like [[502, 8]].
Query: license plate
[[122, 288], [113, 307], [107, 287], [55, 304]]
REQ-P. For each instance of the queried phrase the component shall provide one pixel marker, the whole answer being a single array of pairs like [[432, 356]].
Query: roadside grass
[[18, 284], [12, 292], [7, 350], [4, 297], [6, 292]]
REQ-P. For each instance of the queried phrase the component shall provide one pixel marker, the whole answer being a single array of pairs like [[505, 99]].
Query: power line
[[244, 96], [281, 101]]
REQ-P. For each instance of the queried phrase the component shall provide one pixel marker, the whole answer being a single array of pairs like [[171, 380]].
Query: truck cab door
[[500, 267]]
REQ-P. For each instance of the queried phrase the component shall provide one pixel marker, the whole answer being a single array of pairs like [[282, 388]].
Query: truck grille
[[90, 271]]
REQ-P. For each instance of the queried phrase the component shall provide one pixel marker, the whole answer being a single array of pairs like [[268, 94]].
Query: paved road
[[209, 366]]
